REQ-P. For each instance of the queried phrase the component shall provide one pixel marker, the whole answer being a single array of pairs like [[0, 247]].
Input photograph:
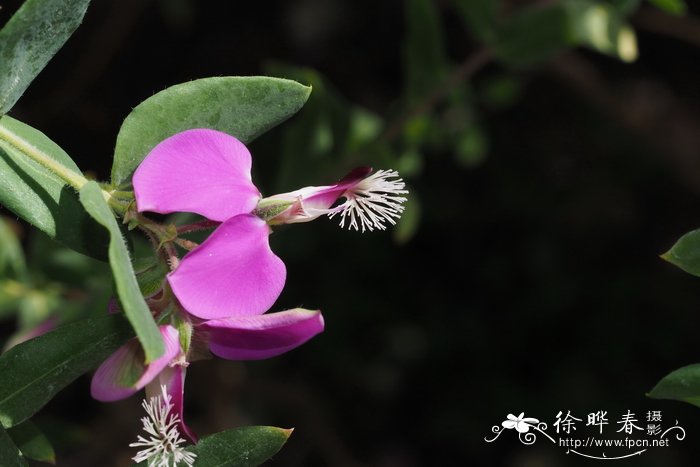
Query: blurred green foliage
[[527, 271]]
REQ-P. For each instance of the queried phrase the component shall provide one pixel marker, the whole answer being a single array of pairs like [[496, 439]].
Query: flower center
[[373, 201]]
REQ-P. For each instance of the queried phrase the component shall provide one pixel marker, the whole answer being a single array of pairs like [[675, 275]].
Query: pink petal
[[125, 373], [202, 171], [233, 273], [263, 336], [173, 378]]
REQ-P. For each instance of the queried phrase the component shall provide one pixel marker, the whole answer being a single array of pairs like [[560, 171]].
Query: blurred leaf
[[417, 130], [9, 453], [365, 127], [12, 263], [408, 225], [410, 163], [685, 253], [625, 7], [36, 306], [39, 196], [240, 447], [501, 91], [245, 107], [602, 28], [128, 289], [30, 38], [532, 34], [32, 442], [35, 371], [682, 384], [424, 58], [673, 7], [11, 292], [56, 263], [480, 17], [472, 147]]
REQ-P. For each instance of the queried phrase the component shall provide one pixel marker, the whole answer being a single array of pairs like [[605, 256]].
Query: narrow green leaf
[[673, 7], [480, 16], [532, 34], [36, 370], [127, 286], [32, 442], [424, 58], [244, 107], [39, 196], [240, 447], [685, 253], [682, 384], [30, 38], [10, 455]]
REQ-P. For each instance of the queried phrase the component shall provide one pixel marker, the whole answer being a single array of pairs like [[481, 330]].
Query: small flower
[[163, 445], [234, 272], [522, 425], [370, 200]]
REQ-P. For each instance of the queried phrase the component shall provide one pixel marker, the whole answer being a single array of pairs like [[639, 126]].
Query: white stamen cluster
[[163, 447], [373, 201]]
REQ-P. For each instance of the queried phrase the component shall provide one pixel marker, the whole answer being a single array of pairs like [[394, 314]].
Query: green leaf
[[480, 16], [532, 34], [240, 447], [673, 7], [127, 286], [32, 442], [36, 370], [681, 385], [9, 453], [30, 38], [424, 59], [601, 27], [41, 197], [685, 253], [244, 107]]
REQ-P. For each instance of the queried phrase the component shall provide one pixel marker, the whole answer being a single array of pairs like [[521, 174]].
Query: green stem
[[71, 178]]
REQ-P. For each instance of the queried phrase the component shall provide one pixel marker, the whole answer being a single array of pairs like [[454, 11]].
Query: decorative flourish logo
[[625, 442]]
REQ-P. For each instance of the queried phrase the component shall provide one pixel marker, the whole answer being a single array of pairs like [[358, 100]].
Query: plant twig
[[468, 68]]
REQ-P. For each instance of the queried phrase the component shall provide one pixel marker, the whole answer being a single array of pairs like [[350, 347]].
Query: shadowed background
[[530, 283]]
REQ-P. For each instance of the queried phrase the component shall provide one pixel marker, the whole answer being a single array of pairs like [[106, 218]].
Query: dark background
[[533, 283]]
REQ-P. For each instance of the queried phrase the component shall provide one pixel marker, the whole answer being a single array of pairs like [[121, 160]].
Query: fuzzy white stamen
[[164, 448], [373, 201]]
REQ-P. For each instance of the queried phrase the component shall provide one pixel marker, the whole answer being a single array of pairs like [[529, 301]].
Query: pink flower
[[227, 283], [235, 338], [234, 272]]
